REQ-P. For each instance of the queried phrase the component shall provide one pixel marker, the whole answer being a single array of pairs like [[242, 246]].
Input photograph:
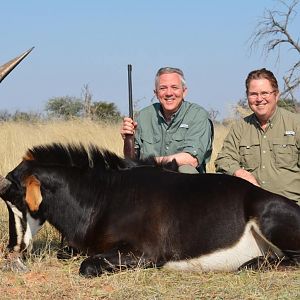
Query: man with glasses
[[264, 148], [173, 128]]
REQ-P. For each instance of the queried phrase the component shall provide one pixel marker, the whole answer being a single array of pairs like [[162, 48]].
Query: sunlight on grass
[[50, 278]]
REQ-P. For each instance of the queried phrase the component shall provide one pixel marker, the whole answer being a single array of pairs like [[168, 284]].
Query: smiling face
[[262, 99], [170, 92]]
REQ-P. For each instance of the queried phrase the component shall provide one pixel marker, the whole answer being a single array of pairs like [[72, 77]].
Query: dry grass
[[17, 137], [50, 278]]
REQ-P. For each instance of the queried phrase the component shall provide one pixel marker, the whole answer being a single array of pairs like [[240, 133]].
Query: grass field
[[50, 278]]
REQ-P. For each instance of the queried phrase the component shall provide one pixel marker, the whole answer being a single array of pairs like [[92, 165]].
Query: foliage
[[5, 116], [105, 111], [19, 116], [71, 107], [289, 104], [64, 107]]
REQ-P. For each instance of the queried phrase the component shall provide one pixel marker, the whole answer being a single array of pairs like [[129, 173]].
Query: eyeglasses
[[264, 95]]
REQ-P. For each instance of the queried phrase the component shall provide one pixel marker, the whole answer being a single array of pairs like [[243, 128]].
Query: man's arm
[[181, 158], [246, 175], [228, 160], [198, 139]]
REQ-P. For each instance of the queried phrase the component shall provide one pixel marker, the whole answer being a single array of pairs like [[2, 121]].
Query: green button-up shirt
[[272, 156], [189, 131]]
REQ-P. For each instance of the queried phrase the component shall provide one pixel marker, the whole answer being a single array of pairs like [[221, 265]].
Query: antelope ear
[[33, 196]]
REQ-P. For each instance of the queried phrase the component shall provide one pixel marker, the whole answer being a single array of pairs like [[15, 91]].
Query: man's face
[[262, 98], [170, 92]]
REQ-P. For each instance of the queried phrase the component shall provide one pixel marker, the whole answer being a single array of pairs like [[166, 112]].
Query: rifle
[[129, 151], [9, 66]]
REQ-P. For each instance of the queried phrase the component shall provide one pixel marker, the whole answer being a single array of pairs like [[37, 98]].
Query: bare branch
[[272, 32]]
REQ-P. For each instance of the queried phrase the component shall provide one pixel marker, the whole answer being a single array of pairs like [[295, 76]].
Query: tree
[[213, 114], [87, 101], [20, 116], [105, 111], [273, 31], [5, 116], [64, 107], [289, 104]]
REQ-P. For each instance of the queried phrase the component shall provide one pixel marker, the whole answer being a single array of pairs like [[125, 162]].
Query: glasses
[[264, 95]]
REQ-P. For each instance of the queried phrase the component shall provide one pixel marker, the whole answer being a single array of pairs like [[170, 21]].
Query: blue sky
[[80, 42]]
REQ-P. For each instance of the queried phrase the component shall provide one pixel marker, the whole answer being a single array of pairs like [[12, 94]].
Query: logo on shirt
[[289, 133], [184, 126]]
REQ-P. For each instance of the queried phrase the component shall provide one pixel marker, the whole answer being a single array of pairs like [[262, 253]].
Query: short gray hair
[[168, 70]]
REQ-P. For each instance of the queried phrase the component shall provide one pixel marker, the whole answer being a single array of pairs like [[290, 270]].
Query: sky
[[91, 42]]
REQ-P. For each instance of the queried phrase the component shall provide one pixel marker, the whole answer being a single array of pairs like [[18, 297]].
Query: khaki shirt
[[189, 131], [272, 156]]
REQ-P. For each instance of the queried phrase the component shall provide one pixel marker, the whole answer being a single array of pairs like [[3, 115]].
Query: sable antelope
[[126, 214]]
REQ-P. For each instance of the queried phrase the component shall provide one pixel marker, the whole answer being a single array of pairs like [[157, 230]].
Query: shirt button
[[167, 147], [264, 136], [263, 182], [263, 167], [264, 151]]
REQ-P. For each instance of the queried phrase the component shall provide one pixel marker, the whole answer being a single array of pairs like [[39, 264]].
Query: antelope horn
[[9, 66], [4, 185]]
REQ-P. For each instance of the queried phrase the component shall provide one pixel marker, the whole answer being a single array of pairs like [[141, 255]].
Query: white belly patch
[[229, 259]]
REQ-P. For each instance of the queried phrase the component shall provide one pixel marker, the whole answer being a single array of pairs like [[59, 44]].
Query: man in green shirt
[[264, 148], [173, 128]]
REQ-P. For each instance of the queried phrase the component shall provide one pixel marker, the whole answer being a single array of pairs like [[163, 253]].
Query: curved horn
[[9, 66], [4, 185]]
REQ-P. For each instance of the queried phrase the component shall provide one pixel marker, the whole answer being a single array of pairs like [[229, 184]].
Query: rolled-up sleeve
[[198, 141]]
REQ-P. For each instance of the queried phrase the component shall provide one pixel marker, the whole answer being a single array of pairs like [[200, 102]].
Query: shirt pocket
[[178, 139], [150, 145], [250, 155], [286, 152]]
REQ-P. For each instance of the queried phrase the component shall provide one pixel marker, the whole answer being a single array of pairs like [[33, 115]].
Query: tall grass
[[16, 137], [50, 278]]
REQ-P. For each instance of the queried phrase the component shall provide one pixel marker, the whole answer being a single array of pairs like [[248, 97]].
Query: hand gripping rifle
[[129, 151], [9, 66]]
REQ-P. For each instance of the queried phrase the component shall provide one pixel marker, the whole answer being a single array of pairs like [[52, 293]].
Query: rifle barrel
[[129, 151], [129, 69]]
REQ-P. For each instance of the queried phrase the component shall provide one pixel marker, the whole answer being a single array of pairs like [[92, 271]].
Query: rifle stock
[[129, 151]]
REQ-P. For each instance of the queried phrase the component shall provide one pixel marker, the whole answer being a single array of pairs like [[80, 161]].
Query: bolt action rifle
[[129, 151]]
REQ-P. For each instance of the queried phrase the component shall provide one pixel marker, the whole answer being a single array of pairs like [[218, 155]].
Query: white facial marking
[[251, 244], [33, 226], [18, 225]]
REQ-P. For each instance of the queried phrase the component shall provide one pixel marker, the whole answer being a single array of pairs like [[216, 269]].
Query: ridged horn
[[4, 185], [9, 66]]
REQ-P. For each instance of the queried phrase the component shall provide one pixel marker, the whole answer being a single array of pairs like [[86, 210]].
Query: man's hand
[[246, 175], [128, 127], [181, 158]]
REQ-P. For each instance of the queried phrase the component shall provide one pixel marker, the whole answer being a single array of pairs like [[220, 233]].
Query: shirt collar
[[271, 121], [160, 112]]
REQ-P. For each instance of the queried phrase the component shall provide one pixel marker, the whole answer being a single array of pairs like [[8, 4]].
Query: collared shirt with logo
[[188, 131], [271, 155]]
